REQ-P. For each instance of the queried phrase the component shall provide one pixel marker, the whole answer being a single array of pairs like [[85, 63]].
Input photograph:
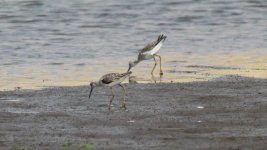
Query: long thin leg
[[154, 65], [110, 101], [124, 99], [161, 72]]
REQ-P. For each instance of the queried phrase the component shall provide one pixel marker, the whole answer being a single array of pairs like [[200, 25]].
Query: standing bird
[[111, 80], [148, 52]]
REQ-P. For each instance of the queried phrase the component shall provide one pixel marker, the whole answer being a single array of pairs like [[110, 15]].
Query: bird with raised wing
[[148, 52]]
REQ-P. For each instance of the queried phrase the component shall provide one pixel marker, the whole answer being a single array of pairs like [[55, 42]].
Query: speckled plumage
[[111, 80], [112, 77]]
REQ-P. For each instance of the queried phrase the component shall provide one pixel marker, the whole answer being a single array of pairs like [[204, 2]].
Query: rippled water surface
[[72, 42]]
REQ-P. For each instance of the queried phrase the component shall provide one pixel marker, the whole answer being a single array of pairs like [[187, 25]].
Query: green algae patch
[[86, 146]]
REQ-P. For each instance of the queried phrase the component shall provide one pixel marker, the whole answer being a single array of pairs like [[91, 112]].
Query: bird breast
[[144, 56]]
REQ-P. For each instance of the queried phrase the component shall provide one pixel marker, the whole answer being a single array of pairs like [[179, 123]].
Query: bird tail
[[161, 37]]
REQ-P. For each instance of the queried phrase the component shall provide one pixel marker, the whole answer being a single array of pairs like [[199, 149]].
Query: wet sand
[[227, 113], [177, 67]]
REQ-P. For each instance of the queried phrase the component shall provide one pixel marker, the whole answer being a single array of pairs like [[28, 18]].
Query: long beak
[[91, 91]]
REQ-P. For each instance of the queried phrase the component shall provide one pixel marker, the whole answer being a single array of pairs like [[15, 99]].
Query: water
[[67, 42]]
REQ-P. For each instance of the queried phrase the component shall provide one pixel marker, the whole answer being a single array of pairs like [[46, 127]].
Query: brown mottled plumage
[[111, 80], [111, 77]]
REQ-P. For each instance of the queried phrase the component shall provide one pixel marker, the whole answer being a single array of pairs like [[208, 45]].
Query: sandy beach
[[226, 113]]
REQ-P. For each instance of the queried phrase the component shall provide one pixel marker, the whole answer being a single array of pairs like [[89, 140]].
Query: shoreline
[[220, 114], [138, 80], [177, 67]]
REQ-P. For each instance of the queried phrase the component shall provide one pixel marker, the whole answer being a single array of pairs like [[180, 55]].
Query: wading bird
[[148, 52], [111, 80]]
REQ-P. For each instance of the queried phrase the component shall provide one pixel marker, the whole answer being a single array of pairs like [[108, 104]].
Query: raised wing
[[150, 46]]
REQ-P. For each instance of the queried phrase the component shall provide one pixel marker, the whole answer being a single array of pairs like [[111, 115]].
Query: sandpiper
[[111, 80], [148, 52]]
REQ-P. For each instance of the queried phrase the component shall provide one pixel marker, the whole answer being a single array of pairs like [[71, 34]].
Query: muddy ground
[[228, 113]]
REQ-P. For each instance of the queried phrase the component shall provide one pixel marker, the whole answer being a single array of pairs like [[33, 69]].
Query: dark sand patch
[[220, 114]]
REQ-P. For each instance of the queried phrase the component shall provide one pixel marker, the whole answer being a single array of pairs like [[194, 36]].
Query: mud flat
[[227, 113]]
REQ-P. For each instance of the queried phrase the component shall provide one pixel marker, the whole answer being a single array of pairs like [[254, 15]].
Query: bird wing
[[108, 78], [111, 77], [150, 46]]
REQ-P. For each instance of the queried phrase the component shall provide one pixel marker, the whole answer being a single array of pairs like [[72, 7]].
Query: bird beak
[[91, 91]]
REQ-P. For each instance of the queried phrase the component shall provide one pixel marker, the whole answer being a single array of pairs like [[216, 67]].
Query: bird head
[[131, 64], [92, 85]]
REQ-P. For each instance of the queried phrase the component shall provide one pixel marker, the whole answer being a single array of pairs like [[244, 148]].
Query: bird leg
[[153, 78], [161, 72], [123, 105], [109, 106], [154, 64]]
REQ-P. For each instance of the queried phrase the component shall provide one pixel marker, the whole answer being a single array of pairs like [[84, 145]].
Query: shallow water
[[65, 42]]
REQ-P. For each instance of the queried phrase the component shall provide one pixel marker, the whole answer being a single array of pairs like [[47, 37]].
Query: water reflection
[[156, 79], [178, 67]]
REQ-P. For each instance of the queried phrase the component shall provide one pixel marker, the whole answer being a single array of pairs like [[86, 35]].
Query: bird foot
[[109, 108], [123, 106], [161, 73]]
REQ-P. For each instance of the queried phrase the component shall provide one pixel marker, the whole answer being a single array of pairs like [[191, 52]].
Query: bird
[[110, 80], [148, 52]]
